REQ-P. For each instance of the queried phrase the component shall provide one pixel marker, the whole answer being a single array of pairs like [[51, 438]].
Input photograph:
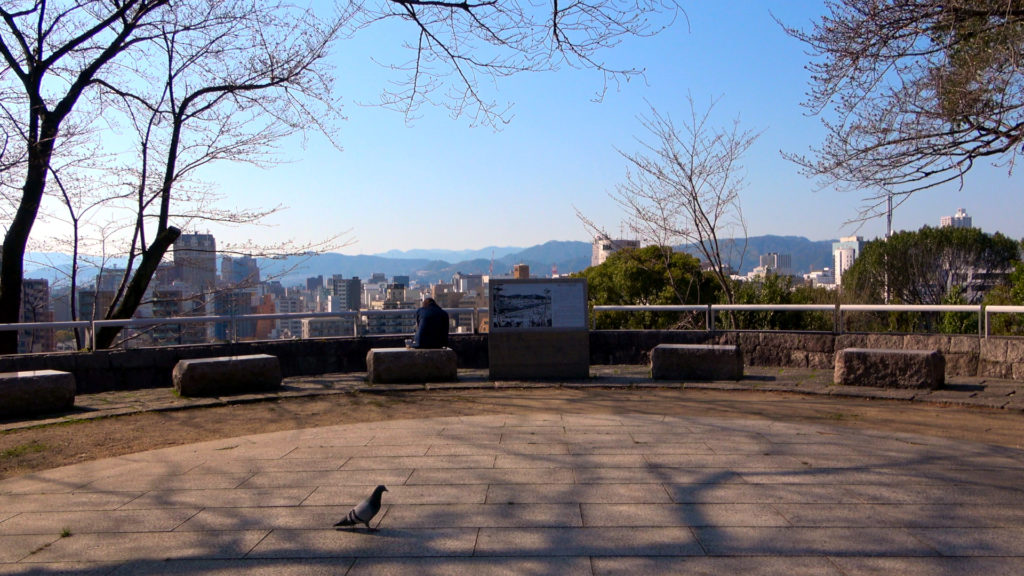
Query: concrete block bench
[[696, 362], [33, 392], [411, 365], [889, 368], [226, 375]]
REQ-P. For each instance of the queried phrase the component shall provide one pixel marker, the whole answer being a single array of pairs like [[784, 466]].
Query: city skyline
[[189, 285], [440, 261], [439, 184]]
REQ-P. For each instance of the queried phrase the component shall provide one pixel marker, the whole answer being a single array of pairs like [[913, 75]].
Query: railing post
[[709, 319]]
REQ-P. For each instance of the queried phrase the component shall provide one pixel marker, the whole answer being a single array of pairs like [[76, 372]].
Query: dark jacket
[[431, 327]]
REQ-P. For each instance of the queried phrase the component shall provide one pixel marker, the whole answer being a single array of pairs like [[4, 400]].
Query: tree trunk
[[12, 269], [137, 287]]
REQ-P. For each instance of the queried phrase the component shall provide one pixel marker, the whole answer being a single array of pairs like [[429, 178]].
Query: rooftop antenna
[[490, 271]]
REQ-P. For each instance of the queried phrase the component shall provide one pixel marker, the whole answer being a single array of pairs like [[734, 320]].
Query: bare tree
[[913, 92], [55, 54], [461, 46], [207, 80], [237, 78], [682, 188]]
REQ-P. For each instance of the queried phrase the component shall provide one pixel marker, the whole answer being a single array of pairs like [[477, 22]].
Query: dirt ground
[[27, 450]]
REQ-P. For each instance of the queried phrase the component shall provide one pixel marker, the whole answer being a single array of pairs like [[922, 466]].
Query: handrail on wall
[[709, 310], [838, 310], [93, 326]]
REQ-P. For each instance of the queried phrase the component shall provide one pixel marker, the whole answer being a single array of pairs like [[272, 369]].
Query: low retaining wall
[[993, 357]]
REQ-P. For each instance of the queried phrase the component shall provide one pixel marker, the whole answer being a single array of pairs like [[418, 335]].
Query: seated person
[[431, 326]]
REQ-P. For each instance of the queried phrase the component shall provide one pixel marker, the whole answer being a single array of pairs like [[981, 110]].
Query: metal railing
[[92, 327], [989, 310], [839, 311], [710, 311]]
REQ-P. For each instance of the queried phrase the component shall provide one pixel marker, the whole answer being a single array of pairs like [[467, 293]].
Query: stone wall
[[994, 357], [966, 355]]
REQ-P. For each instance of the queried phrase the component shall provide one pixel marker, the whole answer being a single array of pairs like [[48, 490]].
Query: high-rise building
[[958, 220], [233, 302], [276, 288], [93, 303], [781, 264], [521, 271], [467, 283], [403, 322], [396, 322], [604, 246], [844, 252], [289, 327], [265, 305], [195, 261], [346, 292], [239, 271], [176, 300], [109, 279]]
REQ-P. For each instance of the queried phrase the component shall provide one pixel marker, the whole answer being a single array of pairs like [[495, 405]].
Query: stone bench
[[33, 392], [696, 362], [226, 375], [411, 365], [888, 368]]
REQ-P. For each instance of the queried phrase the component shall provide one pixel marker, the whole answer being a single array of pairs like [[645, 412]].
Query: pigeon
[[364, 511]]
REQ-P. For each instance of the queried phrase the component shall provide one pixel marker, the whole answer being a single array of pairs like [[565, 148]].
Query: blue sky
[[437, 183]]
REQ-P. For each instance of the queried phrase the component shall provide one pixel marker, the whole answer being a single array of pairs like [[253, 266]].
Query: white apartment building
[[958, 220], [604, 246], [327, 327], [288, 305], [844, 252], [824, 278]]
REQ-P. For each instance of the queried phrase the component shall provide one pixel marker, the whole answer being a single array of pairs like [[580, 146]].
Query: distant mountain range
[[431, 266]]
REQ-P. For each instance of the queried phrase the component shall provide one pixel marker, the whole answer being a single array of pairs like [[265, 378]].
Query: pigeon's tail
[[351, 520]]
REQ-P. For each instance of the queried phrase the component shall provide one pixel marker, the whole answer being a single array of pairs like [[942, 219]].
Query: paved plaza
[[537, 493], [542, 493]]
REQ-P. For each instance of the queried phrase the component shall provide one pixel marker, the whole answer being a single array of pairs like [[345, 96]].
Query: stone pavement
[[544, 493]]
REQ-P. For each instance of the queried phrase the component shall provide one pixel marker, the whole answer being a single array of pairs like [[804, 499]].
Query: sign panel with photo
[[517, 304]]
